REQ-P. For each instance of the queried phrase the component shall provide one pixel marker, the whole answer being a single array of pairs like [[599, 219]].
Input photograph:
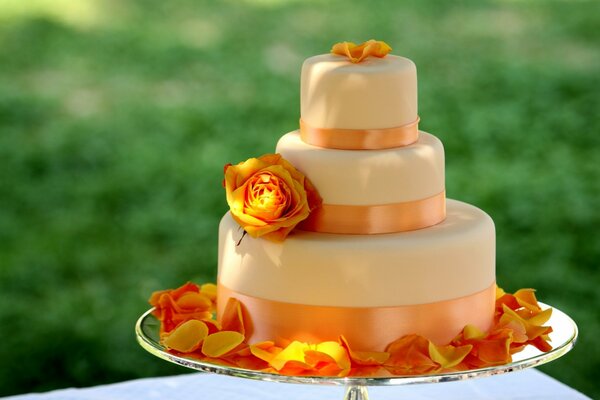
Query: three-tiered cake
[[385, 254]]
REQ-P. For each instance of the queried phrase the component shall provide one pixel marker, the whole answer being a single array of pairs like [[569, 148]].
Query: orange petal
[[213, 325], [266, 351], [157, 298], [296, 368], [410, 355], [249, 363], [364, 358], [526, 298], [541, 342], [232, 319], [495, 350], [194, 301], [316, 359], [187, 337], [221, 343]]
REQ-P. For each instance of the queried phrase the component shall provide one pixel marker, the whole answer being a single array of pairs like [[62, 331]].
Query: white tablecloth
[[529, 384]]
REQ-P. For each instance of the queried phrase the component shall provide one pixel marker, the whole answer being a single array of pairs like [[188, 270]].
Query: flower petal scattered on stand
[[365, 358], [210, 291], [409, 355], [448, 356], [292, 352], [232, 318], [337, 352], [187, 337], [220, 343]]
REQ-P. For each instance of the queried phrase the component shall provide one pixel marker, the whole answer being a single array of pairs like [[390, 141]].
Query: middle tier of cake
[[442, 277], [370, 177]]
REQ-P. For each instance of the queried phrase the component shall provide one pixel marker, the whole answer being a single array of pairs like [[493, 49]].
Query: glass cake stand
[[563, 339]]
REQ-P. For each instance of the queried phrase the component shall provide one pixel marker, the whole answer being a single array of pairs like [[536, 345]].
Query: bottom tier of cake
[[372, 289]]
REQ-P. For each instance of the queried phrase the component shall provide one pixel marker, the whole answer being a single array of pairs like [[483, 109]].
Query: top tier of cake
[[360, 146], [376, 93]]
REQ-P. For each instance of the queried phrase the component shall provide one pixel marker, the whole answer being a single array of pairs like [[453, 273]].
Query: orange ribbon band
[[376, 219], [360, 139], [365, 328]]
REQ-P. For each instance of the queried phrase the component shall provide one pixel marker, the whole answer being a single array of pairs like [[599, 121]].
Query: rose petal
[[266, 351], [410, 355], [526, 298], [221, 343], [364, 357], [448, 356], [187, 337], [336, 352], [232, 319], [194, 301], [209, 290], [292, 352]]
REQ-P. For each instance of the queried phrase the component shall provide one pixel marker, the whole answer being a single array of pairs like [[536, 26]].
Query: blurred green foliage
[[116, 119]]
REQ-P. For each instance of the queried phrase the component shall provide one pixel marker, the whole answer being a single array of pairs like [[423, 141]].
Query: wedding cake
[[374, 250]]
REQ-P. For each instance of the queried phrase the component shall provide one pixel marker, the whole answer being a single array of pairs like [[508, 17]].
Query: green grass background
[[116, 118]]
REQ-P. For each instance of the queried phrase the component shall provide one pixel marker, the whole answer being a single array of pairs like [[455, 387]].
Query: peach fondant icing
[[395, 257]]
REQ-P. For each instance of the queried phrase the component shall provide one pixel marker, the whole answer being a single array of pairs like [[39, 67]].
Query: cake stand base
[[354, 392]]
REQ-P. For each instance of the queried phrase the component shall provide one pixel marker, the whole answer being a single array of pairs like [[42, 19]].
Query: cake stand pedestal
[[563, 339]]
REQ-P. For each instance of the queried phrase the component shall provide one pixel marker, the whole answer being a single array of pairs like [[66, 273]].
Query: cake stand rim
[[557, 351]]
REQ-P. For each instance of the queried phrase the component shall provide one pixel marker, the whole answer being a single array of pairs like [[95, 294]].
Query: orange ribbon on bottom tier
[[365, 328]]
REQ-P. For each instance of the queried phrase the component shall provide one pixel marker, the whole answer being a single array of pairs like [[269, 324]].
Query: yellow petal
[[337, 352], [471, 332], [221, 343], [499, 292], [541, 318], [187, 337], [209, 290], [293, 352], [448, 356]]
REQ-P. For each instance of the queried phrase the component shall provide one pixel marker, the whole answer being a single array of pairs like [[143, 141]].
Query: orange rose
[[268, 197]]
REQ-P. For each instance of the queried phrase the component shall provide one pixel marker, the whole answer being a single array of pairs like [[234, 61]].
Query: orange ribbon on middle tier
[[377, 219], [360, 139]]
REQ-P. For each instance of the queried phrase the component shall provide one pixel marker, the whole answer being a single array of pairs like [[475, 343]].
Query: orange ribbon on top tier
[[360, 139], [377, 219]]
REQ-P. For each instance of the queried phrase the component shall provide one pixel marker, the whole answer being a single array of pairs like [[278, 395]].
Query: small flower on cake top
[[268, 197], [358, 52]]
